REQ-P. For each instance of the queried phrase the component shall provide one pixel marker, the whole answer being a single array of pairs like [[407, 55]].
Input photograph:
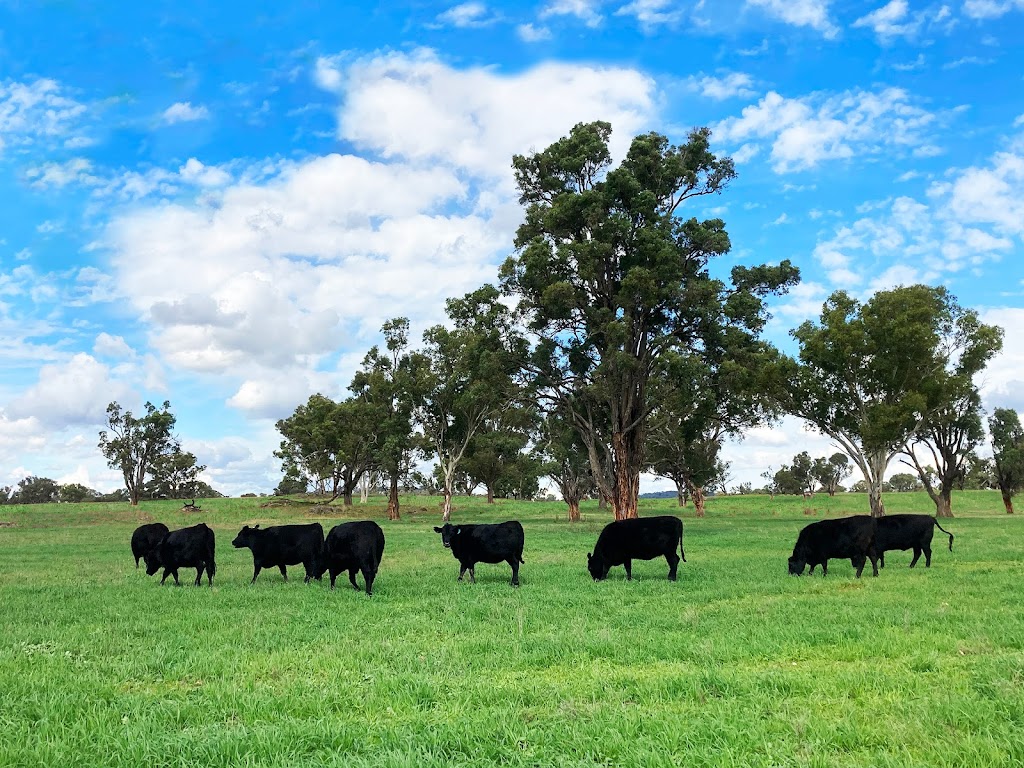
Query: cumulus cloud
[[529, 33], [73, 392], [804, 132], [651, 14], [77, 170], [107, 345], [184, 112], [990, 9], [729, 86], [1002, 383], [471, 14], [584, 10], [37, 111], [800, 13]]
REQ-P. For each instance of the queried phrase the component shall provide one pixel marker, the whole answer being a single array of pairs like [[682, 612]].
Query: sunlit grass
[[735, 664]]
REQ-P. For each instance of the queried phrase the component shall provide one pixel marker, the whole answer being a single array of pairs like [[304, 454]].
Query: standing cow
[[282, 545], [485, 543], [908, 532], [639, 538], [146, 537], [846, 537], [185, 548], [352, 547]]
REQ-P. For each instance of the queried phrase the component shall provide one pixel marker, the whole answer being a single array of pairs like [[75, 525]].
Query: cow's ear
[[436, 529], [588, 557], [458, 530], [256, 526]]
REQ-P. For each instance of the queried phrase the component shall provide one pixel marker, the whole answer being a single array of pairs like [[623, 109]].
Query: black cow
[[353, 547], [908, 532], [185, 548], [146, 537], [283, 545], [852, 537], [485, 543], [639, 538]]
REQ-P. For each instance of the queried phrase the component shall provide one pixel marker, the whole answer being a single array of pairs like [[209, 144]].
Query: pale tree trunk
[[446, 509], [393, 499], [876, 464], [682, 495], [627, 480], [574, 510], [698, 498], [943, 505], [364, 488]]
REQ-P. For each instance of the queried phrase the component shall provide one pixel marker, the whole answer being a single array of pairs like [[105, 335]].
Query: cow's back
[[489, 542], [641, 538], [360, 543], [903, 531], [840, 538]]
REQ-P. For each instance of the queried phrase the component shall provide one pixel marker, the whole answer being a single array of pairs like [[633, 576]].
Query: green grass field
[[736, 664]]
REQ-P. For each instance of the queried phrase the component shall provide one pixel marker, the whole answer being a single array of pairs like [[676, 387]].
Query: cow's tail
[[682, 554], [945, 532]]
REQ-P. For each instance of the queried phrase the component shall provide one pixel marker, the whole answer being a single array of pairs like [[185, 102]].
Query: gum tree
[[1007, 453], [610, 277], [132, 444]]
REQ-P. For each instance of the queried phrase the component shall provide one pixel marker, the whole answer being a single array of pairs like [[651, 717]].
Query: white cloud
[[800, 13], [965, 60], [77, 170], [891, 20], [195, 172], [107, 345], [651, 14], [184, 112], [1019, 121], [471, 14], [782, 219], [38, 110], [1002, 383], [584, 10], [728, 86], [528, 33], [73, 392], [990, 9], [807, 131]]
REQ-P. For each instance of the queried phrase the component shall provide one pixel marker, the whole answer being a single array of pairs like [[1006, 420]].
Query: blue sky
[[220, 205]]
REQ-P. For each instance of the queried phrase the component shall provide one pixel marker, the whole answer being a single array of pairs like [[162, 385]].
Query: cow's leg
[[368, 577], [284, 571], [917, 556], [824, 568], [628, 565], [928, 556], [175, 574], [167, 572], [472, 574], [136, 562], [334, 575], [673, 563], [514, 562], [813, 566], [255, 572], [881, 560], [462, 570], [874, 563], [199, 575], [352, 577], [858, 563]]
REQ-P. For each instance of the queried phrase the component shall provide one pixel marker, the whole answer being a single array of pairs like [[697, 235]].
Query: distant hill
[[659, 495]]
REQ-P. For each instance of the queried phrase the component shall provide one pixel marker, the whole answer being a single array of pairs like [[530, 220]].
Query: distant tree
[[770, 487], [464, 377], [173, 475], [5, 494], [121, 494], [36, 490], [744, 489], [292, 483], [803, 472], [197, 489], [330, 442], [980, 474], [133, 444], [903, 482], [521, 479], [493, 453], [830, 472], [387, 379], [566, 461], [787, 482], [871, 375], [861, 486], [1007, 453], [73, 493], [610, 278]]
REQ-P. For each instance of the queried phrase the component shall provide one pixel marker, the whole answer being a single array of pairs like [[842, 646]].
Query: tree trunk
[[574, 510], [627, 480], [1008, 502], [490, 494], [875, 499], [602, 502], [944, 505], [446, 509], [393, 499], [877, 462], [347, 496], [682, 496], [364, 489], [698, 499]]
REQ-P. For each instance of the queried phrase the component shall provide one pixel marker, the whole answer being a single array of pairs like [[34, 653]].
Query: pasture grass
[[736, 664]]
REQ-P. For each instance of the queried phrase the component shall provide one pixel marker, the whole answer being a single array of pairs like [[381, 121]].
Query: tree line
[[620, 339]]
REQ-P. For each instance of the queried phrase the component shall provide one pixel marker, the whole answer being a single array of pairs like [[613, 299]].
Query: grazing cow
[[145, 538], [908, 532], [353, 547], [852, 537], [639, 538], [282, 545], [185, 548], [485, 543]]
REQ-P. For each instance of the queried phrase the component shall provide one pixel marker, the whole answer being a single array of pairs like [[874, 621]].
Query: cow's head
[[448, 532], [596, 566], [797, 563], [246, 537], [153, 558]]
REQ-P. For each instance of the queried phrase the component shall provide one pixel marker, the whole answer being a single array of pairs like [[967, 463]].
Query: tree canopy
[[133, 444]]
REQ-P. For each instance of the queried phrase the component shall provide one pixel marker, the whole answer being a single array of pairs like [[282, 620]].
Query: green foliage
[[133, 444], [830, 472], [73, 493], [787, 483], [292, 483], [611, 280], [332, 443], [175, 475], [36, 490], [903, 482], [1007, 453]]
